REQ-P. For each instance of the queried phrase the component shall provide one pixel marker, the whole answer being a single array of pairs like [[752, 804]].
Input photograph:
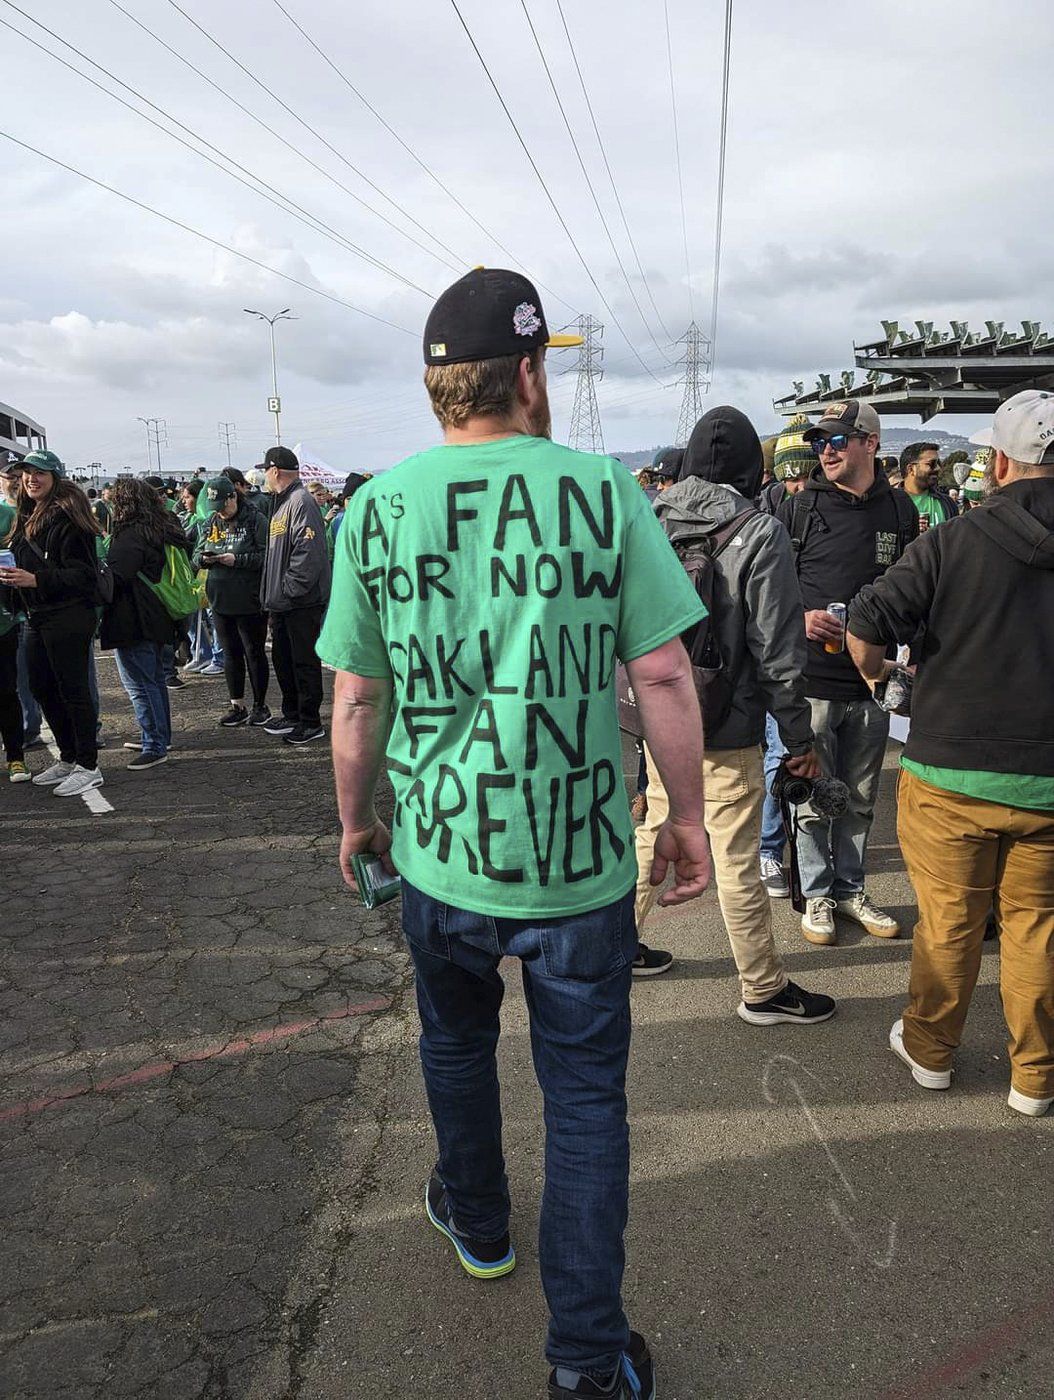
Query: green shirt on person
[[497, 584], [7, 520], [1034, 793], [932, 507]]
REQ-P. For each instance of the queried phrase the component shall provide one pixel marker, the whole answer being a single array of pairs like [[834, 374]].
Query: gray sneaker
[[817, 923], [773, 878], [51, 777]]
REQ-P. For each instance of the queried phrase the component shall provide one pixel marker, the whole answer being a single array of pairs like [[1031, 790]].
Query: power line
[[585, 175], [677, 152], [607, 167], [719, 220], [459, 261], [545, 187], [218, 87], [207, 238], [281, 201]]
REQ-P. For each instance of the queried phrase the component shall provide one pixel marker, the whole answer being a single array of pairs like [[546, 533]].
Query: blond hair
[[475, 389]]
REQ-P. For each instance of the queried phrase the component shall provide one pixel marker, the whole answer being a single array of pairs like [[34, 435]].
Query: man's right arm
[[673, 731]]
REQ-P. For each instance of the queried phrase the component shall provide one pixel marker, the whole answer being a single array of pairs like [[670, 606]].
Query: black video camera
[[828, 797]]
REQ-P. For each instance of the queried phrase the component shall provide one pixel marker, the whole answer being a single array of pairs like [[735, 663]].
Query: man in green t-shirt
[[976, 795], [483, 592], [920, 463]]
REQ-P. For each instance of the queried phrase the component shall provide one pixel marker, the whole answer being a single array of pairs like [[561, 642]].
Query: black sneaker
[[146, 760], [649, 962], [280, 725], [35, 741], [175, 682], [236, 715], [480, 1258], [634, 1379], [794, 1003], [305, 734], [259, 715]]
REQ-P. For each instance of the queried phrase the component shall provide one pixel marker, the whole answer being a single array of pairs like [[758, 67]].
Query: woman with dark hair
[[55, 574], [136, 624]]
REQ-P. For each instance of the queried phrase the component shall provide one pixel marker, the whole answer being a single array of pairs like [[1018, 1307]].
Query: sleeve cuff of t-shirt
[[355, 666], [664, 635]]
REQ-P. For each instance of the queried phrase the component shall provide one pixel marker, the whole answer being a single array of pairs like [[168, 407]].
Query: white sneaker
[[817, 923], [80, 780], [928, 1078], [51, 777], [193, 666], [860, 909], [1034, 1108]]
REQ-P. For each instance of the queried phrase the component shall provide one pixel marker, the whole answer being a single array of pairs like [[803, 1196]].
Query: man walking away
[[976, 795], [294, 589], [756, 622], [920, 463], [484, 589], [847, 527]]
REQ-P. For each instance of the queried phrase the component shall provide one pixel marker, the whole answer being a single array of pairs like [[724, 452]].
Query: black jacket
[[849, 541], [234, 590], [63, 558], [983, 588], [136, 614]]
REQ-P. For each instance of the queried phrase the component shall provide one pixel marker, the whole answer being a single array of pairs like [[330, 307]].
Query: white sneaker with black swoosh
[[793, 1004]]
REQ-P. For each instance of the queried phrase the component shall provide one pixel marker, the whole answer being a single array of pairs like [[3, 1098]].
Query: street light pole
[[275, 403]]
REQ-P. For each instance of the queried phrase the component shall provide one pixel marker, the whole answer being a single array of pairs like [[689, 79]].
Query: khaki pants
[[962, 854], [734, 783]]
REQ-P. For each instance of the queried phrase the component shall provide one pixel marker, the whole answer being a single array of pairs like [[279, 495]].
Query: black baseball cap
[[488, 313], [282, 458], [666, 464]]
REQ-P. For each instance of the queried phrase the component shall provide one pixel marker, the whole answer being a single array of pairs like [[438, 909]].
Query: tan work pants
[[962, 854], [734, 783]]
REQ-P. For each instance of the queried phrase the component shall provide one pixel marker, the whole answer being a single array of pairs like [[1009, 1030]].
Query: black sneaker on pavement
[[280, 725], [305, 734], [794, 1003], [634, 1379], [35, 741], [146, 760], [483, 1259], [649, 962], [235, 716], [175, 682], [259, 715]]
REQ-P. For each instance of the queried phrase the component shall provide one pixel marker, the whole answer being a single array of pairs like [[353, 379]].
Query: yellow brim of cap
[[563, 342]]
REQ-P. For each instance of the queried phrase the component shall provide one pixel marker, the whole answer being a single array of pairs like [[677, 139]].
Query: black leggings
[[12, 733], [57, 660], [242, 637]]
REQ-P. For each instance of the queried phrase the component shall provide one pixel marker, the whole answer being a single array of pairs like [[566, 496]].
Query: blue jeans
[[576, 978], [851, 740], [204, 644], [31, 716], [142, 673], [773, 837]]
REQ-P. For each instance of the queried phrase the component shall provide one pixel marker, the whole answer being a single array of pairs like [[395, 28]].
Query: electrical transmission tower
[[156, 434], [695, 363], [586, 434], [228, 438]]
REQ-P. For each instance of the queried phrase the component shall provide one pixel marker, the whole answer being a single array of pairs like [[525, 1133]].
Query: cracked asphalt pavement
[[214, 1140]]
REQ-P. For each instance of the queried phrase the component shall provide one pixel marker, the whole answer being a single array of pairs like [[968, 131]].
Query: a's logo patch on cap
[[525, 319], [437, 348]]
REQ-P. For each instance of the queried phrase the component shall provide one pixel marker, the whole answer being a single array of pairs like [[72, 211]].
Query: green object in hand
[[376, 886]]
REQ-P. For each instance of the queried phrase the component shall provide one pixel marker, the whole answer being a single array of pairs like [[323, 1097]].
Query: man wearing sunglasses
[[847, 527], [920, 464]]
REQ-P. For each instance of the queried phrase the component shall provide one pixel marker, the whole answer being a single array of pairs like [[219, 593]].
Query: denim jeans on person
[[142, 671], [773, 838], [31, 714], [851, 738], [576, 978]]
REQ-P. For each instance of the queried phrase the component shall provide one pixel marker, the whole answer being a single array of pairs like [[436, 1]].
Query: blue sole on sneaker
[[476, 1267]]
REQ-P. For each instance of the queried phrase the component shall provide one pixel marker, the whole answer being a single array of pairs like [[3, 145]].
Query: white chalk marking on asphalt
[[93, 798]]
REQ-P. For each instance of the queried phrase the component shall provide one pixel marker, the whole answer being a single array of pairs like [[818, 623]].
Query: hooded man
[[975, 810], [756, 618]]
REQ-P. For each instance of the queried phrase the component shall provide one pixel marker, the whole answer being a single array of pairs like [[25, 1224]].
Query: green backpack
[[177, 588]]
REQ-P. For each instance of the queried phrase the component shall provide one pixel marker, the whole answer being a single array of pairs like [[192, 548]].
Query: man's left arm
[[361, 711], [893, 608], [308, 556]]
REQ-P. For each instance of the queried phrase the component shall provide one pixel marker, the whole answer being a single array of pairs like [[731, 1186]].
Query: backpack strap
[[803, 503], [720, 539]]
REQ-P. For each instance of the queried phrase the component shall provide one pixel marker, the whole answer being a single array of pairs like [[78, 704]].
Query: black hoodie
[[724, 447], [849, 542], [983, 587]]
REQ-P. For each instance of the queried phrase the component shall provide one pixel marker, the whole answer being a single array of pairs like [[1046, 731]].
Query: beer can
[[837, 610]]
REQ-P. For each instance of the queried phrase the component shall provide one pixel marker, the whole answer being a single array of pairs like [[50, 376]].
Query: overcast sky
[[882, 161]]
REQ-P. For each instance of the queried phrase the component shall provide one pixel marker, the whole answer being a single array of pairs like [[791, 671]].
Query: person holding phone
[[231, 545]]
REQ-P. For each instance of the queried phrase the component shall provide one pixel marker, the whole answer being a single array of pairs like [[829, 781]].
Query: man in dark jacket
[[847, 527], [976, 796], [294, 589], [756, 618]]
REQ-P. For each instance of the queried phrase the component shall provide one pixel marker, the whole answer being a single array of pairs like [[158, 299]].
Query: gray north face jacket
[[757, 613]]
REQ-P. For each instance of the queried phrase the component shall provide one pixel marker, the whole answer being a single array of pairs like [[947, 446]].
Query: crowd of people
[[763, 607], [227, 578]]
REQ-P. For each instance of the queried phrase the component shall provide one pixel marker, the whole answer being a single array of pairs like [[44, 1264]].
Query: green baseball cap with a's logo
[[43, 461]]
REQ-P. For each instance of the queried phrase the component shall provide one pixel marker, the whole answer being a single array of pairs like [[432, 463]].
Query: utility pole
[[156, 429], [228, 438], [696, 380], [274, 403], [586, 433]]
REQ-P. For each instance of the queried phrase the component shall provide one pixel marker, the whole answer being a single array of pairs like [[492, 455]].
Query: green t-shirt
[[1007, 789], [7, 519], [931, 507], [497, 584]]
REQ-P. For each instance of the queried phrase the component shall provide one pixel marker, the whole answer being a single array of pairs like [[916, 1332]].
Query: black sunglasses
[[839, 441]]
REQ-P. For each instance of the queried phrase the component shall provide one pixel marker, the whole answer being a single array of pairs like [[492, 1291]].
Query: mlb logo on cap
[[487, 314]]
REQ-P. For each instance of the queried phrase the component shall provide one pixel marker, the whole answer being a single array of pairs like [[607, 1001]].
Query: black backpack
[[803, 506], [712, 685]]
